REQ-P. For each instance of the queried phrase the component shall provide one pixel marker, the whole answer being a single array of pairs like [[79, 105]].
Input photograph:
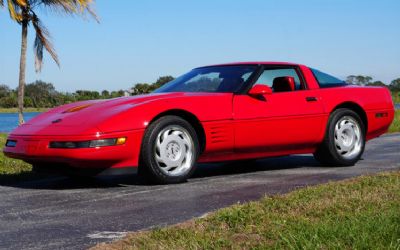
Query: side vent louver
[[218, 134]]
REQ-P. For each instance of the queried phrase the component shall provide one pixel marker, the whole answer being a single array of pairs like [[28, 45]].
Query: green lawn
[[26, 110], [395, 127], [360, 213], [10, 166], [396, 97]]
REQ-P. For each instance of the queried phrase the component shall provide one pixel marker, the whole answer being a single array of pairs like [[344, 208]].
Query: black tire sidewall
[[148, 161], [330, 136]]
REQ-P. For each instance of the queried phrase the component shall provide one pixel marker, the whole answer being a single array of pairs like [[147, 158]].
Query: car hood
[[85, 117]]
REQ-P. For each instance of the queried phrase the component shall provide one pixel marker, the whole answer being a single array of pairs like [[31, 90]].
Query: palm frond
[[42, 40], [2, 3], [15, 11], [70, 7], [22, 3], [92, 12]]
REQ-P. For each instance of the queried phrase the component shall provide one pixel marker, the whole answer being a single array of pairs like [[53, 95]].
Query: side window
[[272, 78]]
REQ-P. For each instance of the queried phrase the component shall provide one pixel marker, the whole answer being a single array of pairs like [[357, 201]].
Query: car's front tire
[[169, 151], [344, 139]]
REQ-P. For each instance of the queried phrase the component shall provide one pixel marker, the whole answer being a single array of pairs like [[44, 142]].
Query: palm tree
[[24, 13]]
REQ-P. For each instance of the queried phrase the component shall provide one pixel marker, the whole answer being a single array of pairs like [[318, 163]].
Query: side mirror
[[260, 90]]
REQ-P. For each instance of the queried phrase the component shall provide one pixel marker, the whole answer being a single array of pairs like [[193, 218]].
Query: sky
[[138, 41]]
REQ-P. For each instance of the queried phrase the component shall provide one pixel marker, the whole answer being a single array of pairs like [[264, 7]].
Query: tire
[[344, 140], [170, 149]]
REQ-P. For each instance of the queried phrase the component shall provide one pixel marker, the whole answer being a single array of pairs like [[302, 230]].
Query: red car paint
[[233, 126]]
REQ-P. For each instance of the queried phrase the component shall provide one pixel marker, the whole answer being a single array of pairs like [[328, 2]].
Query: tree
[[24, 13], [4, 90], [64, 98], [395, 84], [105, 94], [377, 83], [141, 88], [42, 94], [7, 97], [162, 80], [359, 80], [8, 102], [145, 88], [82, 95], [118, 93]]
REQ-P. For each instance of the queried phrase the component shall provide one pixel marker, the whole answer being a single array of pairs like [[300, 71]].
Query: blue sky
[[137, 41]]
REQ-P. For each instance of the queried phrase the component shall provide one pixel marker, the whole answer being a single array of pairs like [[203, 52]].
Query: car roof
[[254, 63]]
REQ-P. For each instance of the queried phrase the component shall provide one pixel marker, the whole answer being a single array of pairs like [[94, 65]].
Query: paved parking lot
[[57, 212]]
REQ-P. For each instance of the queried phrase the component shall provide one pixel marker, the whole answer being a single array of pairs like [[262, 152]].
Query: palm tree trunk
[[22, 69]]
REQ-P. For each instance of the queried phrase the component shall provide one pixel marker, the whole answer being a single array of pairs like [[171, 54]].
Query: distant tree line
[[145, 88], [40, 94], [369, 81]]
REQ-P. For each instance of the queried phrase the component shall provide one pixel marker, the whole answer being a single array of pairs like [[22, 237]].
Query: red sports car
[[211, 114]]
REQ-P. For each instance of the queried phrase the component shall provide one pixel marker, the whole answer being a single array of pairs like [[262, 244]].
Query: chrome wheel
[[348, 137], [174, 151]]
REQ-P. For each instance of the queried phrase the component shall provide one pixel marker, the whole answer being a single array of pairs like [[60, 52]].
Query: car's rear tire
[[169, 151], [344, 140]]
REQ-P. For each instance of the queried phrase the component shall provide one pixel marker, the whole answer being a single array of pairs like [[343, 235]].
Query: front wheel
[[170, 149], [344, 140]]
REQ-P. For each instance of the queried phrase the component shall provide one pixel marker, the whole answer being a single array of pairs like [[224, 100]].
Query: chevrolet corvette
[[215, 113]]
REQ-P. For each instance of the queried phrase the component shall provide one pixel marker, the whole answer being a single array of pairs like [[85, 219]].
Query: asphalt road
[[56, 212]]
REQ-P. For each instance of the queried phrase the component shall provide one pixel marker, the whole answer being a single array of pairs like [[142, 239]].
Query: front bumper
[[35, 149]]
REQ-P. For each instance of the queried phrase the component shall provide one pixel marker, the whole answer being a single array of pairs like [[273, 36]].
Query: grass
[[10, 168], [26, 110], [396, 97], [360, 213], [395, 127]]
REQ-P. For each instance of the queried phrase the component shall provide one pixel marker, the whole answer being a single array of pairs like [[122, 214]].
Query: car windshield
[[215, 79]]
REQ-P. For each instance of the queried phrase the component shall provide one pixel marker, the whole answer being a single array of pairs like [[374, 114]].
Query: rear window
[[325, 80]]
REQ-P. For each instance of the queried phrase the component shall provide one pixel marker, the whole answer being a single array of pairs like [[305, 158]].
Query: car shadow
[[32, 180], [60, 182], [251, 166], [6, 179]]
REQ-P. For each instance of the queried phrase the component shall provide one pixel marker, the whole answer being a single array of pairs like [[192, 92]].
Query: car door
[[281, 122]]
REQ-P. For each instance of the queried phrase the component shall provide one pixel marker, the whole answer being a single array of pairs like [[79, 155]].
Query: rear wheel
[[344, 140], [170, 149]]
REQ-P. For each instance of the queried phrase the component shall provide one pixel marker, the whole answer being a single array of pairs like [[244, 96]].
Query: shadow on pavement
[[248, 166], [31, 180], [20, 177]]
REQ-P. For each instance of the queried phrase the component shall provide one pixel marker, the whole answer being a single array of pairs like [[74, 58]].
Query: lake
[[9, 121]]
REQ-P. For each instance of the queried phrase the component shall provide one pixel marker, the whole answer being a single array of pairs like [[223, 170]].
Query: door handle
[[311, 99]]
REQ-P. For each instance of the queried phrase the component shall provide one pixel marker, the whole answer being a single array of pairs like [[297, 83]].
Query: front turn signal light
[[120, 141]]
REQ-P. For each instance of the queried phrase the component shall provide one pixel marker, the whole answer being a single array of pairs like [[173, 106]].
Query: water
[[9, 121], [397, 106]]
